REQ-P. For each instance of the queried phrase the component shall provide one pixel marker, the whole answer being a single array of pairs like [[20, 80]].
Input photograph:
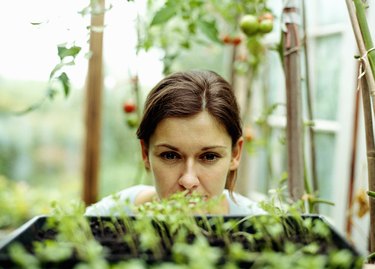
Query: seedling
[[176, 233]]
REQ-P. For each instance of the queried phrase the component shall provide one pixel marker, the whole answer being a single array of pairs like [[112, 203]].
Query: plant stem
[[370, 146], [314, 174], [349, 218], [366, 35]]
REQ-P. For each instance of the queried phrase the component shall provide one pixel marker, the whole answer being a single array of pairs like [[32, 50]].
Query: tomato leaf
[[58, 67], [209, 29], [64, 79], [65, 52], [163, 14]]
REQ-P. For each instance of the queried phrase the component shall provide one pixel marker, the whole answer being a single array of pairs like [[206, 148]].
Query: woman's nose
[[189, 179]]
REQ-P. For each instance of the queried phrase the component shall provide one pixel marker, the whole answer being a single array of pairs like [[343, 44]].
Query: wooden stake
[[94, 88], [293, 103]]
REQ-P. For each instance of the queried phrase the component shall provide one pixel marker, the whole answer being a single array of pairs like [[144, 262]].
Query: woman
[[191, 141]]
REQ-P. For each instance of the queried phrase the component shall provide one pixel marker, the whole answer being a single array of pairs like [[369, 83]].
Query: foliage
[[58, 78], [38, 151], [18, 203], [176, 26], [165, 234], [206, 27]]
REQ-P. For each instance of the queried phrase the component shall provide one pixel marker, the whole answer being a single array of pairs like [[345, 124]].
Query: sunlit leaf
[[39, 22], [209, 29], [65, 52], [58, 67], [163, 15], [64, 79], [55, 69]]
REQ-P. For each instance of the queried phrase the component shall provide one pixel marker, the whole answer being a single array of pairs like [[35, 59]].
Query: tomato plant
[[174, 26]]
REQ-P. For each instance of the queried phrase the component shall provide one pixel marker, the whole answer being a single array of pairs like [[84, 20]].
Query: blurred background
[[42, 125]]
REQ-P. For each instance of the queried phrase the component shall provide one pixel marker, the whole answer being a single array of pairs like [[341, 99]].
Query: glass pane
[[275, 83], [326, 76], [272, 162], [325, 151], [325, 12]]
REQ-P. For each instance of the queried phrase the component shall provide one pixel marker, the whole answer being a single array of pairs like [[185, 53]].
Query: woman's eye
[[169, 155], [210, 156]]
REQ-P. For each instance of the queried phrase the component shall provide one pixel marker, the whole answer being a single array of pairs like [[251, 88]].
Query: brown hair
[[185, 94]]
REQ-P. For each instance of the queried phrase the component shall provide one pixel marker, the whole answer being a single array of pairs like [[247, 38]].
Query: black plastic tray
[[31, 231]]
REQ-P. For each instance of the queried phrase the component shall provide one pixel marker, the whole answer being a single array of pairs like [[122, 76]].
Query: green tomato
[[132, 121], [249, 24], [265, 26]]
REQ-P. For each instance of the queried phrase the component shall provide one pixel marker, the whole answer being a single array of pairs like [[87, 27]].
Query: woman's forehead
[[201, 128]]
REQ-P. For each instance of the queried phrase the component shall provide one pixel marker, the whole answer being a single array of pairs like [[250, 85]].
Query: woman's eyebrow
[[214, 147], [166, 146]]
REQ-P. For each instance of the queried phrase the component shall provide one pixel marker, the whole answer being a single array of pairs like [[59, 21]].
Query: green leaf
[[64, 79], [209, 29], [51, 92], [371, 194], [371, 256], [22, 258], [52, 251], [163, 15], [58, 67], [65, 52], [55, 69]]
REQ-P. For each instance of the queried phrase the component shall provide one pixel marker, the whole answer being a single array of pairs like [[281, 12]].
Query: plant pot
[[258, 236]]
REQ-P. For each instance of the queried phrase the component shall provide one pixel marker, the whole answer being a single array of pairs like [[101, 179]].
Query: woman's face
[[193, 154]]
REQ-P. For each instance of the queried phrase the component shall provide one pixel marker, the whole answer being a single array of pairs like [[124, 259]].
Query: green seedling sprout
[[173, 233]]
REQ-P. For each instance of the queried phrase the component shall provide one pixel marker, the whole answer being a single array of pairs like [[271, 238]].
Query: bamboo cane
[[357, 18], [93, 108], [366, 35], [314, 174], [349, 216], [370, 153], [365, 44], [293, 103]]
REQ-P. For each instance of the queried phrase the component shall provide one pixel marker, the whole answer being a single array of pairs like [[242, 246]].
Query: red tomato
[[236, 40], [248, 134], [226, 39], [129, 107]]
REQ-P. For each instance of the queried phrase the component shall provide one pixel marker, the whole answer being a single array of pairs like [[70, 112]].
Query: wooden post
[[94, 86], [293, 102]]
